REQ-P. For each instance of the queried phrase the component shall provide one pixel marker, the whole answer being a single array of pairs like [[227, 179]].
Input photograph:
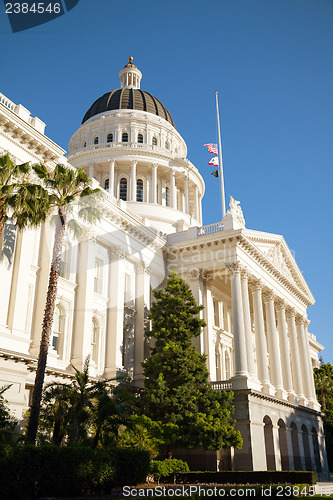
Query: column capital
[[300, 319], [143, 267], [256, 284], [268, 295], [207, 277], [234, 268], [280, 304], [290, 312], [194, 274], [118, 253], [245, 273], [155, 165], [110, 162], [133, 163]]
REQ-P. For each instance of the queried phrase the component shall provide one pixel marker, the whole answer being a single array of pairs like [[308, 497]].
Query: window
[[216, 313], [167, 145], [106, 185], [109, 138], [124, 137], [57, 329], [96, 140], [84, 144], [166, 196], [123, 189], [64, 262], [94, 340], [139, 190], [154, 141], [140, 138], [98, 277]]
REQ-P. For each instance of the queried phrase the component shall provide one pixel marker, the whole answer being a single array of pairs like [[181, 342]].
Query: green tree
[[323, 377], [68, 196], [177, 389], [11, 176], [8, 423]]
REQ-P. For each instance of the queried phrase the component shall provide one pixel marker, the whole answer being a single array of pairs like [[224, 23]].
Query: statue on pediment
[[235, 211]]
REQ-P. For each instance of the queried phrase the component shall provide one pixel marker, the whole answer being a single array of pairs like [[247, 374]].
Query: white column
[[173, 192], [196, 204], [115, 314], [294, 356], [285, 352], [303, 353], [273, 346], [91, 170], [313, 397], [154, 183], [247, 322], [141, 306], [44, 262], [238, 321], [111, 177], [187, 195], [209, 342], [260, 336], [84, 300], [133, 181]]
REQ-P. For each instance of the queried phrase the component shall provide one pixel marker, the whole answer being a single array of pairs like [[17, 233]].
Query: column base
[[268, 388], [292, 398], [245, 382], [139, 380], [281, 393], [113, 372], [301, 399], [314, 405]]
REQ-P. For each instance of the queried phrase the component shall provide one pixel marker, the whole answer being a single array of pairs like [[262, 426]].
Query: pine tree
[[177, 389]]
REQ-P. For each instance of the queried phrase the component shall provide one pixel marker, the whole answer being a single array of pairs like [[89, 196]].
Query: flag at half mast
[[212, 148], [214, 161]]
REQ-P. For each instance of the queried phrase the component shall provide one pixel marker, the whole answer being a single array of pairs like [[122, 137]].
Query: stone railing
[[222, 385], [211, 228], [6, 102], [135, 145]]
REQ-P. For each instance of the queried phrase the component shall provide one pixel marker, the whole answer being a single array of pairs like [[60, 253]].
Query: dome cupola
[[130, 76]]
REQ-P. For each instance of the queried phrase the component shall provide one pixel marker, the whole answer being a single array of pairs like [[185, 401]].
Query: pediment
[[276, 250]]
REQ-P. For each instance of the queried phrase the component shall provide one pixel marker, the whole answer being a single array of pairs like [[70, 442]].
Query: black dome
[[128, 98]]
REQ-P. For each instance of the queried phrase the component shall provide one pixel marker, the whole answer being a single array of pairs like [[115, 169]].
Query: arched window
[[227, 365], [269, 443], [109, 138], [84, 144], [124, 137], [295, 447], [123, 189], [154, 141], [166, 196], [283, 445], [139, 190], [96, 140], [140, 138], [94, 340], [306, 448], [106, 185], [57, 329], [167, 145]]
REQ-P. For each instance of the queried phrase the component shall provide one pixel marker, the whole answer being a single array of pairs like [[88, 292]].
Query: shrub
[[28, 471], [247, 477], [164, 468]]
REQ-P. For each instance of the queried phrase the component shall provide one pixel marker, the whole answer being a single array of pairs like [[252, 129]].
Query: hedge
[[247, 477], [29, 472]]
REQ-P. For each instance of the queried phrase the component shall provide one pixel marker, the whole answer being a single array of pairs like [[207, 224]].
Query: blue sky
[[270, 60]]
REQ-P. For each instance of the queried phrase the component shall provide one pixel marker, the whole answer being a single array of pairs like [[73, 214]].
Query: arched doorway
[[296, 453], [283, 445], [316, 449], [269, 443], [306, 447]]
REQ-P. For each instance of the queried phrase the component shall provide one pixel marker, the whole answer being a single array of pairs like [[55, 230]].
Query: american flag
[[212, 148]]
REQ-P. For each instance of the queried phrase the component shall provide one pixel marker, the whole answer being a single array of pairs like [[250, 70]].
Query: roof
[[128, 98]]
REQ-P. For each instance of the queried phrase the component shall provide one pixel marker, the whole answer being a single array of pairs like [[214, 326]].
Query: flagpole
[[220, 155]]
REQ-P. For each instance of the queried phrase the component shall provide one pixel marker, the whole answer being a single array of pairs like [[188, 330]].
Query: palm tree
[[10, 174], [323, 377], [67, 194]]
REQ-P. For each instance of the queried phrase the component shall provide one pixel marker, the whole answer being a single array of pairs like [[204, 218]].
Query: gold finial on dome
[[130, 59]]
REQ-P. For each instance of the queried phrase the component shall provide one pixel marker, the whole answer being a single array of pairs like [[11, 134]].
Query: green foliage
[[247, 477], [49, 471], [10, 177], [7, 422], [164, 468], [83, 412], [177, 390], [323, 377]]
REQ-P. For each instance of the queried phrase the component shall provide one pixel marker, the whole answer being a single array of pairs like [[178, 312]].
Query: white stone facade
[[254, 296]]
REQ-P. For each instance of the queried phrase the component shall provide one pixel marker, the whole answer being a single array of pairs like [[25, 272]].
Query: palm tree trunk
[[46, 329], [323, 398], [2, 222]]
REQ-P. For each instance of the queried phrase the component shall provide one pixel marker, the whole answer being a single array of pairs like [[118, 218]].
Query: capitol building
[[255, 297]]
